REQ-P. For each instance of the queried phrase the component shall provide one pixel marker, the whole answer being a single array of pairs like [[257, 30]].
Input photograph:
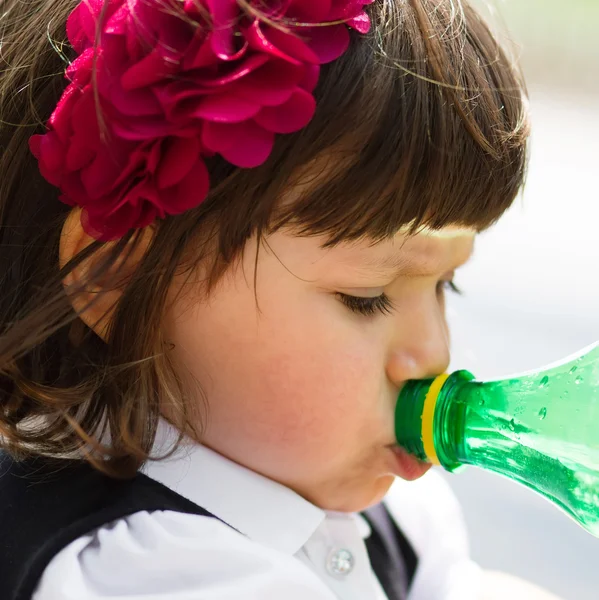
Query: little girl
[[225, 242]]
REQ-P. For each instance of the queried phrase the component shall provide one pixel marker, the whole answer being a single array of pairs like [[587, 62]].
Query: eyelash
[[382, 304]]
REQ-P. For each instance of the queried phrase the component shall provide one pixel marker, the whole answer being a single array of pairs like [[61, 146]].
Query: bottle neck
[[450, 417], [537, 428], [423, 410], [408, 416]]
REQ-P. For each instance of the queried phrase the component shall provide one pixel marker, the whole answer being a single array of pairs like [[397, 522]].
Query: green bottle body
[[540, 428]]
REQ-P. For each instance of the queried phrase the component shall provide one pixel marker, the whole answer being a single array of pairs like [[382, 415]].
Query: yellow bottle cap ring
[[428, 415]]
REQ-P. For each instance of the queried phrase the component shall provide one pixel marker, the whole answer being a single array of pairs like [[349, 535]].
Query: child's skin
[[300, 388], [304, 391]]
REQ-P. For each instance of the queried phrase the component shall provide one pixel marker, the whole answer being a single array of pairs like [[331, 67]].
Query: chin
[[358, 499]]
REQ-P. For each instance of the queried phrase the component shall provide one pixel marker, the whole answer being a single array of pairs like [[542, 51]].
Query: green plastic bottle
[[540, 428]]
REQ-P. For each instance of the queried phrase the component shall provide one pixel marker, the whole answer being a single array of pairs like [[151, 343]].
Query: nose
[[420, 344]]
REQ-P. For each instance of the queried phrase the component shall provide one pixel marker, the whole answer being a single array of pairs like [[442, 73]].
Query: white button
[[340, 562]]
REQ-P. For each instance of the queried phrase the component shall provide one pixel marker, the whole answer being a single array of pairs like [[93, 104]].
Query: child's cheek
[[318, 398], [297, 388]]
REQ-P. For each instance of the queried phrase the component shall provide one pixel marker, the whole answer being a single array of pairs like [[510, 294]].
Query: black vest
[[45, 507]]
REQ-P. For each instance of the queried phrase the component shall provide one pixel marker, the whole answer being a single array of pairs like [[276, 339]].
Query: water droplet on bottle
[[578, 380], [544, 381], [512, 425], [573, 370], [482, 402], [542, 413]]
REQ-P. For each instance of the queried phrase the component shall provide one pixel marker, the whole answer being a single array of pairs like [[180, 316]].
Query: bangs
[[437, 128], [421, 122]]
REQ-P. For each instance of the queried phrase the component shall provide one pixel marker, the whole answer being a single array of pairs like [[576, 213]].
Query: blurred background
[[531, 292]]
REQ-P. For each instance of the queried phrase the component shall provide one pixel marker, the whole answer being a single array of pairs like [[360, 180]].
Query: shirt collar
[[264, 510]]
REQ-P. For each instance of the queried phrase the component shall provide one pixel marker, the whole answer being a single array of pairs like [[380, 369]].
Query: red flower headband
[[176, 81]]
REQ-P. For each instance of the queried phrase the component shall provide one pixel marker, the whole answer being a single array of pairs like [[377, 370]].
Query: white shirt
[[280, 554]]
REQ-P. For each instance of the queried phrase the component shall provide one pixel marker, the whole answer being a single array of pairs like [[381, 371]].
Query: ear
[[96, 304]]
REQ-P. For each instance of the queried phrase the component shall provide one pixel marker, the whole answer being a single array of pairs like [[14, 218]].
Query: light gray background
[[532, 297]]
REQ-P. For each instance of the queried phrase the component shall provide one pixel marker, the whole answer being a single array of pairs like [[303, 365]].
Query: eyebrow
[[386, 264], [398, 262]]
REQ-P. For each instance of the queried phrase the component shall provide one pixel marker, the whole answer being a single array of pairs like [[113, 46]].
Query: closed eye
[[367, 306], [382, 304]]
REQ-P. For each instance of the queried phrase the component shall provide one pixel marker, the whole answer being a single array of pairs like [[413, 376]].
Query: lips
[[406, 465]]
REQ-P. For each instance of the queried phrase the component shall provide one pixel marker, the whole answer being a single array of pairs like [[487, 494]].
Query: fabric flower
[[175, 82]]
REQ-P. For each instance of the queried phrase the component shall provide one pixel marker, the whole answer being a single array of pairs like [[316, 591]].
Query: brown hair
[[422, 121]]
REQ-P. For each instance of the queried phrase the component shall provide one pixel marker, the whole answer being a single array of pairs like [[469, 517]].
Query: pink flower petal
[[175, 98], [172, 91], [309, 11], [75, 31], [178, 157], [310, 79], [97, 6], [80, 71], [271, 84], [200, 53], [279, 44], [132, 159], [144, 192], [190, 192], [84, 119], [138, 102], [126, 196], [83, 27], [191, 8], [79, 154], [61, 119], [225, 109], [35, 145], [74, 194], [135, 47], [85, 20], [116, 58], [115, 225], [242, 144], [102, 174], [247, 66], [328, 43], [50, 153], [297, 44], [174, 35], [169, 94], [143, 129], [361, 23], [273, 10], [225, 14], [117, 23], [147, 71], [155, 152], [347, 9], [289, 117]]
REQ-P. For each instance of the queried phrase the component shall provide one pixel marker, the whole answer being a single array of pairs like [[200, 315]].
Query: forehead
[[427, 252]]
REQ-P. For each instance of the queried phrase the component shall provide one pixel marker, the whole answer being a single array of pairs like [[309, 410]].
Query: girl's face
[[300, 388]]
